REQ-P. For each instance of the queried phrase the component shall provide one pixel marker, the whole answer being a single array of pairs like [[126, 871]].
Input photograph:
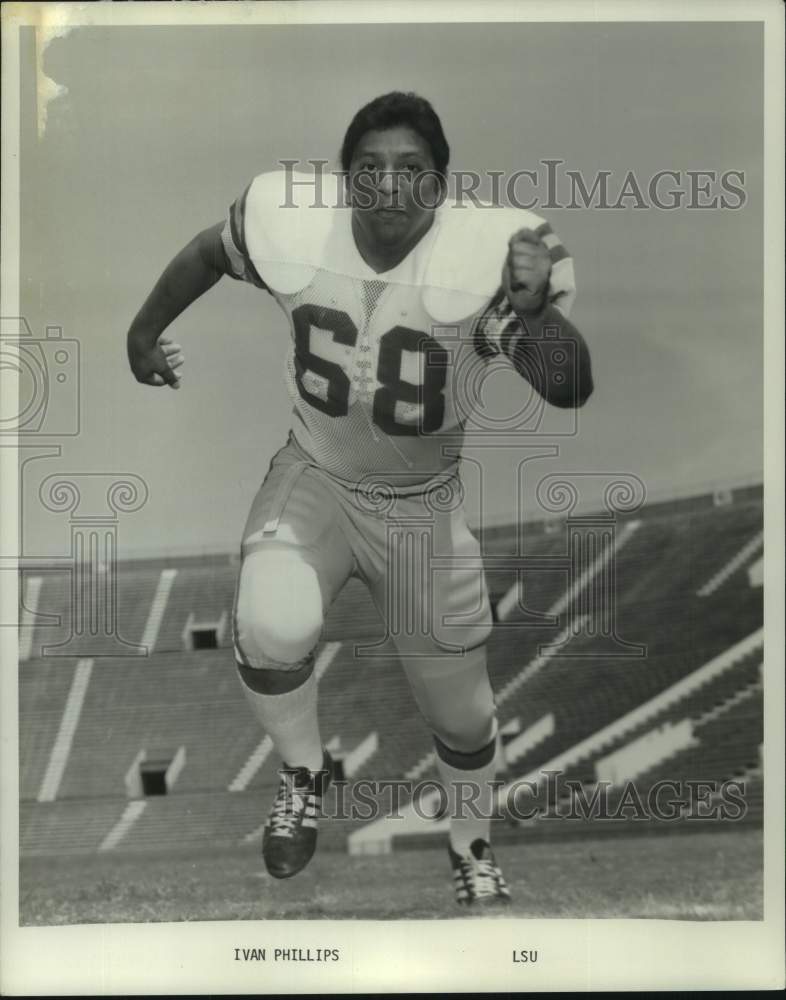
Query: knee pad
[[465, 733], [278, 612]]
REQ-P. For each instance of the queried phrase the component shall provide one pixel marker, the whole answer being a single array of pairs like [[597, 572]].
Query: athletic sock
[[467, 779], [290, 720]]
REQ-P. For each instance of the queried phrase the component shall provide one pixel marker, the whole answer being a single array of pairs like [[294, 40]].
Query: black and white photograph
[[392, 522]]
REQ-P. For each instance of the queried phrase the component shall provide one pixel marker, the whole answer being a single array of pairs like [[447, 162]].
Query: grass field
[[693, 876]]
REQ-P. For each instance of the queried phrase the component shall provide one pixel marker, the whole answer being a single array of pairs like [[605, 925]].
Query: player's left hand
[[174, 357], [526, 272]]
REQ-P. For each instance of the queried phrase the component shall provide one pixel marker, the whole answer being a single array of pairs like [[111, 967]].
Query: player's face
[[392, 186]]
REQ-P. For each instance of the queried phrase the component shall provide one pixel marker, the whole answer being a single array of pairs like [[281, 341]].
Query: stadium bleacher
[[42, 694], [179, 697]]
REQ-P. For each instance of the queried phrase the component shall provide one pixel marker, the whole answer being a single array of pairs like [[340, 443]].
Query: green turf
[[696, 876]]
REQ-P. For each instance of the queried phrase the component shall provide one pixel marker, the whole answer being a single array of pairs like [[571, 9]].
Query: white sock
[[290, 720], [472, 818]]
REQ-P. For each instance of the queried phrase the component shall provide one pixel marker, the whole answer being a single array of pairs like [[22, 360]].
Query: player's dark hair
[[396, 109]]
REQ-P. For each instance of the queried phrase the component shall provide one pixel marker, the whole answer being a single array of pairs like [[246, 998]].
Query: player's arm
[[199, 265], [562, 376]]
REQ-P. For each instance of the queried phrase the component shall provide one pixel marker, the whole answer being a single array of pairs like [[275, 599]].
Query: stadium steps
[[588, 693], [157, 610], [131, 814], [725, 748], [161, 703], [736, 735], [61, 748], [207, 594], [251, 766], [67, 826], [522, 744], [738, 561], [134, 592], [645, 714], [674, 553], [727, 745], [379, 836], [43, 691], [652, 608], [715, 692], [30, 593], [731, 702], [361, 754], [601, 740]]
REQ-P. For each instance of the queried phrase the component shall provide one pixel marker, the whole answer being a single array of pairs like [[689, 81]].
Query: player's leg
[[278, 621], [456, 700], [295, 560], [437, 576]]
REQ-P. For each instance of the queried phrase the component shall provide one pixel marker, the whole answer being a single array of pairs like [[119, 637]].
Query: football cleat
[[290, 836], [477, 878]]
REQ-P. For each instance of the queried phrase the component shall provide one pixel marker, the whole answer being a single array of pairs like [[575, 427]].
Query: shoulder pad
[[468, 255], [287, 231]]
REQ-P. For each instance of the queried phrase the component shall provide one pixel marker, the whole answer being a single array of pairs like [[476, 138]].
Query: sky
[[158, 129]]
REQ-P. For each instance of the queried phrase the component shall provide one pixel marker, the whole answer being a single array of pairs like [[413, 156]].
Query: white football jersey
[[381, 368]]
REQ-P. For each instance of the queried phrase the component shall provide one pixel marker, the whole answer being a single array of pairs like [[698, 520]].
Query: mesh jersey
[[382, 367]]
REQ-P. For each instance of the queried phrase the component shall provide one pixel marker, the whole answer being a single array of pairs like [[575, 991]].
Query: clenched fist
[[159, 365], [526, 272]]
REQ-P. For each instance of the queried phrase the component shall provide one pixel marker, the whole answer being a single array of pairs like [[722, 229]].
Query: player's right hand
[[158, 366]]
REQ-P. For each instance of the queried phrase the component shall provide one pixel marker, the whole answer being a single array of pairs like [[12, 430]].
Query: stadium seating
[[43, 689], [175, 697], [68, 826], [159, 704], [133, 588]]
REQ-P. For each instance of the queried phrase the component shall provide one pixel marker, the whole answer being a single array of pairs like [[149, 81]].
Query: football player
[[393, 300]]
